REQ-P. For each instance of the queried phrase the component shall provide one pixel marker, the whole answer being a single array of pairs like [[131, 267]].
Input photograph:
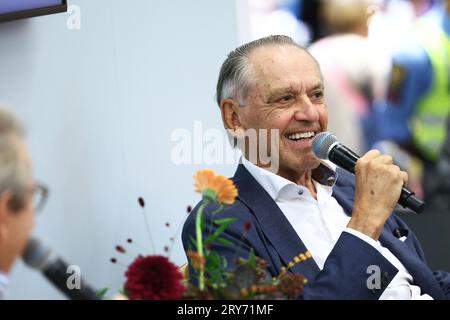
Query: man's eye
[[318, 95], [285, 99]]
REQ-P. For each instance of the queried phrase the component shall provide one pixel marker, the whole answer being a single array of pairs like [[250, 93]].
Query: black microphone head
[[322, 143], [36, 254], [39, 256]]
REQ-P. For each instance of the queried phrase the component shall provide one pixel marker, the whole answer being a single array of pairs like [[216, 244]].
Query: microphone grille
[[36, 254], [321, 144]]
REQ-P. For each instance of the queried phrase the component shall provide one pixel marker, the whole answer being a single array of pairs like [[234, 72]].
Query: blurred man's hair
[[12, 172]]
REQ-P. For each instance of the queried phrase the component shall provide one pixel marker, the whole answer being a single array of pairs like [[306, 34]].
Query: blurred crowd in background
[[386, 68]]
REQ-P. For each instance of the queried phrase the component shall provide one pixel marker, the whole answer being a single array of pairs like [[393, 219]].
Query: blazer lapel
[[344, 190], [273, 222]]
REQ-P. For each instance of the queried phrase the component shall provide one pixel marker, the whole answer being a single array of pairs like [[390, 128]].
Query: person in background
[[392, 20], [414, 113], [17, 194], [355, 71], [268, 17]]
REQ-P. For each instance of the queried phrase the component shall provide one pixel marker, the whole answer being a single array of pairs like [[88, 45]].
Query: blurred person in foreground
[[275, 87], [17, 194], [414, 114]]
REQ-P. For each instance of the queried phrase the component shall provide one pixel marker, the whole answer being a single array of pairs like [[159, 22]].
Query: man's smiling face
[[286, 93]]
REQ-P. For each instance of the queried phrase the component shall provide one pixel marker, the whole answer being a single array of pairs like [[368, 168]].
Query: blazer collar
[[273, 222], [325, 174]]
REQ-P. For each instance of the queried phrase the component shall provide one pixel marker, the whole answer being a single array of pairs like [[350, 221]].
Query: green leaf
[[223, 225], [215, 268], [193, 243], [224, 263], [123, 292], [226, 221], [213, 259], [102, 293], [224, 242], [252, 258], [217, 210]]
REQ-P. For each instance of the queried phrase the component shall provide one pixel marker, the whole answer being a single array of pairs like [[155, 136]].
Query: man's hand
[[378, 186]]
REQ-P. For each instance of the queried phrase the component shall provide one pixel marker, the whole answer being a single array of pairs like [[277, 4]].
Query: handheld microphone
[[41, 257], [327, 147]]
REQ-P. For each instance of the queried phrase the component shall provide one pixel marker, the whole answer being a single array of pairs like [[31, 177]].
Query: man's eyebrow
[[274, 93], [318, 85], [277, 91]]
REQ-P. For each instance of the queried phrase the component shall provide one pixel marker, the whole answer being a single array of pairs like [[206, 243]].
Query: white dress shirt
[[3, 285], [319, 223]]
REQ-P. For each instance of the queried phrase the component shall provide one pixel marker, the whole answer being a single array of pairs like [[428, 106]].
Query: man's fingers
[[404, 177], [369, 156], [384, 159], [372, 154]]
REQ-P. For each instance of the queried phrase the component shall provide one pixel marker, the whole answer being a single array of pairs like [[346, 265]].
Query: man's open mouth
[[300, 136]]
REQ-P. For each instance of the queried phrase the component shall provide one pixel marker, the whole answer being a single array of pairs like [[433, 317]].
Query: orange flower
[[196, 260], [208, 184]]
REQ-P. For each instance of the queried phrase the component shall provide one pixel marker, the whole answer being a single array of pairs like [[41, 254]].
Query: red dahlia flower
[[153, 278]]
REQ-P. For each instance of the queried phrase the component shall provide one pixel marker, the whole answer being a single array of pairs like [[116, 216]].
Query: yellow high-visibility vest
[[428, 126]]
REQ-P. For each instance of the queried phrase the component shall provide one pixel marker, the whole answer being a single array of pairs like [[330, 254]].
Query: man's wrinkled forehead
[[282, 67], [278, 60]]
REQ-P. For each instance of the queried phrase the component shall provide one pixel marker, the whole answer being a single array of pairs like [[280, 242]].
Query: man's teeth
[[298, 136]]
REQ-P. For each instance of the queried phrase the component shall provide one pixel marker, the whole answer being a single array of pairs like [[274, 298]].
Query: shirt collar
[[325, 174]]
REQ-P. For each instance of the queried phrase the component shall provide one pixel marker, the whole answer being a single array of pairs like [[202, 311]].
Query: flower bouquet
[[155, 277]]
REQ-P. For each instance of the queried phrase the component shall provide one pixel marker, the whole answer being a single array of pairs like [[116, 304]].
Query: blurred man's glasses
[[40, 195]]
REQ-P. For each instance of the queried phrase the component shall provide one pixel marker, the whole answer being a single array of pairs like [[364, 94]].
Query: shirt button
[[300, 192]]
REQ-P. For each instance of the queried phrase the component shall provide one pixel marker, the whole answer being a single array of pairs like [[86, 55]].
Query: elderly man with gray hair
[[345, 222], [18, 193]]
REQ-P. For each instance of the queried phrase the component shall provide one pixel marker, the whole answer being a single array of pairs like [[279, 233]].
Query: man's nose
[[305, 110]]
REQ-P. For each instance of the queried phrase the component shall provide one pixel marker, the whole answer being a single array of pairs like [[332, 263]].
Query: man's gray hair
[[235, 74], [12, 174]]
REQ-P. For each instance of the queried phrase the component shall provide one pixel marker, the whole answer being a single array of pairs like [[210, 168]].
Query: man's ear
[[230, 117]]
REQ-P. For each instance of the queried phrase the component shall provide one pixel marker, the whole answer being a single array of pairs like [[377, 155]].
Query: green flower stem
[[217, 210], [198, 229], [213, 214]]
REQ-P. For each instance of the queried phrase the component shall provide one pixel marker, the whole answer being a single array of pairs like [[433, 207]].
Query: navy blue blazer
[[345, 274]]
